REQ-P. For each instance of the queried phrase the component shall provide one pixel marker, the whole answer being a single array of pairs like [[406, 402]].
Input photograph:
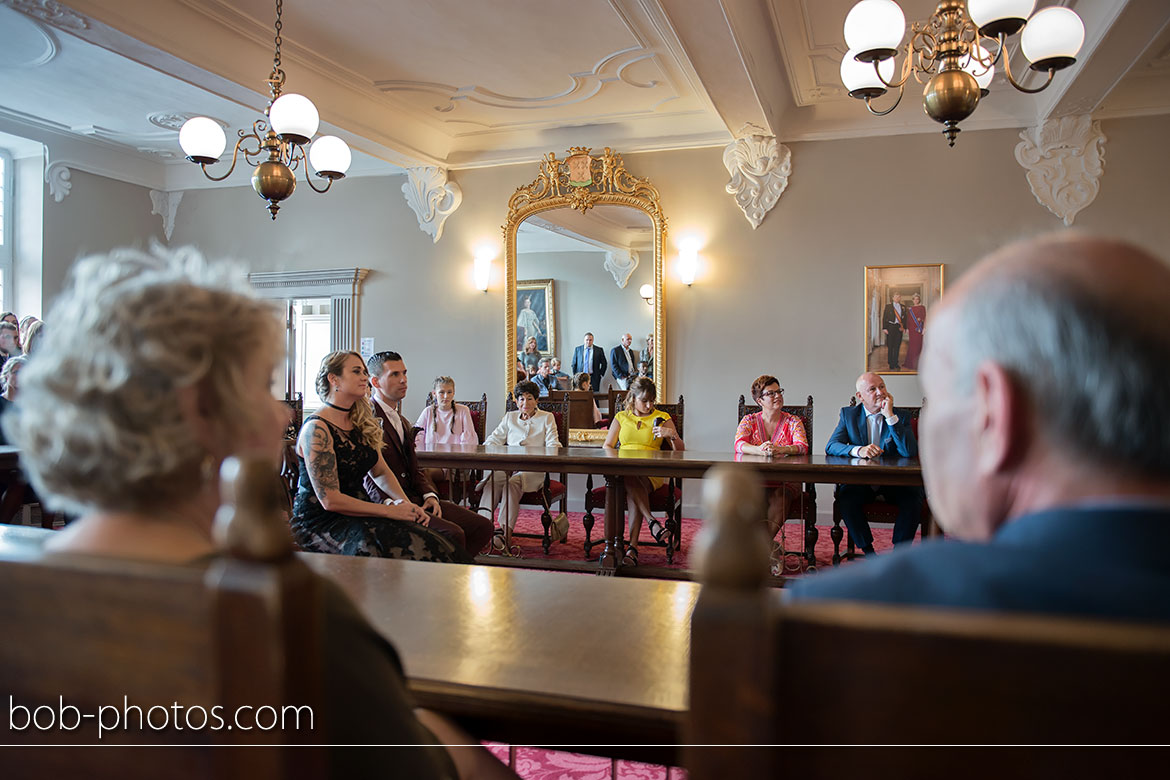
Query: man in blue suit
[[868, 431], [590, 360], [1044, 445]]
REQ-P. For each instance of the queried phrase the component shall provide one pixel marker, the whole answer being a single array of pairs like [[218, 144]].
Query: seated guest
[[8, 346], [563, 379], [10, 318], [543, 378], [867, 431], [648, 355], [444, 421], [526, 427], [11, 385], [582, 382], [643, 369], [1044, 445], [642, 427], [530, 358], [22, 331], [32, 337], [773, 432], [338, 447], [155, 370], [465, 529]]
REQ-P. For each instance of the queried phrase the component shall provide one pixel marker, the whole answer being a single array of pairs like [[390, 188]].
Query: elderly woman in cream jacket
[[526, 427]]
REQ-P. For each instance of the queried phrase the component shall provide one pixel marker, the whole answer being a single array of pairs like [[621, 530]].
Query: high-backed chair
[[808, 504], [879, 510], [766, 672], [552, 491], [478, 411], [296, 405], [666, 499], [114, 637], [580, 406]]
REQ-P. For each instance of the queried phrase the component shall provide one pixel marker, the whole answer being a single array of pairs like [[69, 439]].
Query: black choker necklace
[[338, 408]]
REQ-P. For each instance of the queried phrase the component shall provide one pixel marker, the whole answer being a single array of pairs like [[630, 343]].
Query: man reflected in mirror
[[624, 362], [590, 359]]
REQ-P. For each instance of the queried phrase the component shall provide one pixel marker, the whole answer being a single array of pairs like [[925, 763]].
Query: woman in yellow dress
[[642, 427]]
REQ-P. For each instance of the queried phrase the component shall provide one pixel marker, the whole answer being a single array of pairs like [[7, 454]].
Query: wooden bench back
[[580, 406], [116, 637], [763, 672]]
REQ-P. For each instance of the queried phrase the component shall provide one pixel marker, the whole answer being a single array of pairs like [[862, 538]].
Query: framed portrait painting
[[898, 300], [536, 315]]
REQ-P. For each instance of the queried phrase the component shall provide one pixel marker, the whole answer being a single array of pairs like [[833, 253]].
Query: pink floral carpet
[[539, 764]]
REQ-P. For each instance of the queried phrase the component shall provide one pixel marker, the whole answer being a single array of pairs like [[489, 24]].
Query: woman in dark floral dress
[[336, 448]]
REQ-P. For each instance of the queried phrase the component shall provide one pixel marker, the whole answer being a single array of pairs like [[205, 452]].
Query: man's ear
[[998, 415]]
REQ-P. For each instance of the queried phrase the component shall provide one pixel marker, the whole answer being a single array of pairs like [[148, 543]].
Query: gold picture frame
[[893, 333], [536, 296]]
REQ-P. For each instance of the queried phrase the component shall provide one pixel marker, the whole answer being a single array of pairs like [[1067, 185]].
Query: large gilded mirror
[[582, 243]]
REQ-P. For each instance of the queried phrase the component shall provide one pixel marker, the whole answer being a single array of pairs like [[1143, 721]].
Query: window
[[310, 337]]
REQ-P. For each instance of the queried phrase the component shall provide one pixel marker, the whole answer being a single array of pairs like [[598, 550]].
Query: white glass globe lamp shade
[[1053, 38], [202, 140], [294, 118], [647, 292], [983, 75], [874, 29], [994, 17], [861, 79], [330, 157]]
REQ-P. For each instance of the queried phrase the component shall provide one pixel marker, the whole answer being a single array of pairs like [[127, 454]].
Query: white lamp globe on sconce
[[482, 271], [1053, 38], [874, 29], [995, 17], [294, 118], [202, 140], [647, 293], [860, 78], [330, 157]]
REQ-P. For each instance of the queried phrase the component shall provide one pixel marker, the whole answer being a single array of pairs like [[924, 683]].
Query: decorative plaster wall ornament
[[50, 11], [166, 204], [621, 263], [759, 169], [431, 197], [1065, 158], [58, 175]]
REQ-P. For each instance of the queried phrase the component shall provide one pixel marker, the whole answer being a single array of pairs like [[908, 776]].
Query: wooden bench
[[103, 634], [830, 674]]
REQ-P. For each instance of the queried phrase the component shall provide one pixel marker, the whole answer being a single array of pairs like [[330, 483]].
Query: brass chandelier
[[290, 122], [945, 52]]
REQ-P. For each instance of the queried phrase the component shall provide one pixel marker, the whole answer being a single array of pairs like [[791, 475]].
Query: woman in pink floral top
[[773, 432]]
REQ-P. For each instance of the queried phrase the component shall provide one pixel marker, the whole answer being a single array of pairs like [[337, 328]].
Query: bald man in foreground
[[1045, 441]]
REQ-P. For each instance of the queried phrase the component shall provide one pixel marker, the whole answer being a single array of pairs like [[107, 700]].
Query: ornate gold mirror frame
[[582, 181]]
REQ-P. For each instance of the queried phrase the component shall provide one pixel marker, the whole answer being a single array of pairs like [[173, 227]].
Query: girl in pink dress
[[444, 422], [772, 432]]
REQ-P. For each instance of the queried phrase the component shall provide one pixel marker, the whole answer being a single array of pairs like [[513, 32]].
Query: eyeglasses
[[772, 393]]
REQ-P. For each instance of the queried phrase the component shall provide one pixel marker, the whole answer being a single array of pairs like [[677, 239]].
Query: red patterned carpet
[[652, 555]]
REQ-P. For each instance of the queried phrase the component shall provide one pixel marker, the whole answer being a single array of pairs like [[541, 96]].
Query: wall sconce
[[647, 293], [483, 267], [688, 260]]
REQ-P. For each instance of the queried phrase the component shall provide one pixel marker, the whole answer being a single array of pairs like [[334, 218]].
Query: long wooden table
[[688, 464], [532, 657]]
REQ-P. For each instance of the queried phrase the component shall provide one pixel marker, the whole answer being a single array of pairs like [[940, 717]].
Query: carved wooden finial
[[731, 550], [249, 523]]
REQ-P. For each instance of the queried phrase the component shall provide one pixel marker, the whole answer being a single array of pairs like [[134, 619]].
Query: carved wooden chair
[[552, 491], [880, 510], [666, 499], [808, 504], [296, 403], [457, 492], [580, 406], [768, 672], [242, 631]]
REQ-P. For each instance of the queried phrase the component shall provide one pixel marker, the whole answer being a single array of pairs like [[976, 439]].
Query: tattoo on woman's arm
[[322, 461]]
